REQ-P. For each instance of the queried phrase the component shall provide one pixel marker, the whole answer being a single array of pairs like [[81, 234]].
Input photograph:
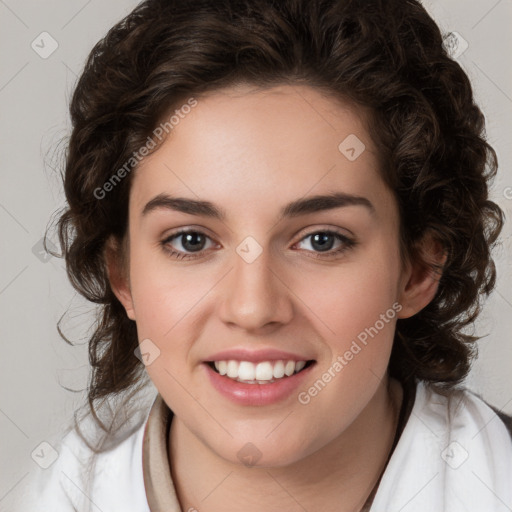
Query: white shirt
[[454, 455]]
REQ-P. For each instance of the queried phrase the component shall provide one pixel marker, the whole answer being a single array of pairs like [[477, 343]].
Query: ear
[[116, 261], [420, 281]]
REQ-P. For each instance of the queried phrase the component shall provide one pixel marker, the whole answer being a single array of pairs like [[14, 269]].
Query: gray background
[[34, 92]]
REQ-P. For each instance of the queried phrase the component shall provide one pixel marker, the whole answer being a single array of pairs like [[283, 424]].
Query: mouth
[[262, 373]]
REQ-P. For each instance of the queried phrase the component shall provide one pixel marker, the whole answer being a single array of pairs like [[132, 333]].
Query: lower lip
[[256, 394]]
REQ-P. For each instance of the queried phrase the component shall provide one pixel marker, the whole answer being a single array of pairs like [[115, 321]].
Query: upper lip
[[255, 356]]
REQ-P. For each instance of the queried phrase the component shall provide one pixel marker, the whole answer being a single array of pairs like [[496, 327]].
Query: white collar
[[454, 455]]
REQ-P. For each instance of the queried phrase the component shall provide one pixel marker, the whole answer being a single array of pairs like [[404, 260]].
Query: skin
[[250, 152]]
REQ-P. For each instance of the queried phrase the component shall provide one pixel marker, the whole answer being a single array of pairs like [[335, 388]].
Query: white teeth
[[278, 369], [299, 365], [246, 370], [232, 369], [289, 368], [222, 367], [262, 373]]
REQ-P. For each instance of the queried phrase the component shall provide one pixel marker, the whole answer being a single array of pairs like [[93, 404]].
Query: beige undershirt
[[160, 491]]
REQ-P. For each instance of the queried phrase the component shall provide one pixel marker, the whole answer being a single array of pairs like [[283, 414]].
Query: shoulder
[[504, 418], [454, 454], [462, 410], [462, 418], [59, 471], [85, 477]]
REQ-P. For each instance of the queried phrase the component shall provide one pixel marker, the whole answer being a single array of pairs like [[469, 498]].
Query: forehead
[[247, 147]]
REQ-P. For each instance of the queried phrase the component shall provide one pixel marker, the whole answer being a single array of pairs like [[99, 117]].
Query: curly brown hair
[[385, 55]]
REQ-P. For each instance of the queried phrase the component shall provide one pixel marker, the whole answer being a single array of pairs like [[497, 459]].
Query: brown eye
[[192, 241], [323, 242], [183, 242]]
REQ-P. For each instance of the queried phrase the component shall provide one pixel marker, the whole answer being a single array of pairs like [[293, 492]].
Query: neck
[[339, 476]]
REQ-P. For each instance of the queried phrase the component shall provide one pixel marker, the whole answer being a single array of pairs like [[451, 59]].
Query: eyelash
[[347, 243]]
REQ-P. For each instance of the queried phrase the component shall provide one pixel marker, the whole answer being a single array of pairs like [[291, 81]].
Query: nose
[[255, 295]]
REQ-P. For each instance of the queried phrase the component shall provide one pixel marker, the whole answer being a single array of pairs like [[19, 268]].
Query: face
[[293, 295]]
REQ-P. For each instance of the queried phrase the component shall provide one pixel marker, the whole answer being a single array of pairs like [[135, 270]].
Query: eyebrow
[[296, 208]]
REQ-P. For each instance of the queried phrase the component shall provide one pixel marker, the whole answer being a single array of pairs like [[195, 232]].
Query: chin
[[263, 453]]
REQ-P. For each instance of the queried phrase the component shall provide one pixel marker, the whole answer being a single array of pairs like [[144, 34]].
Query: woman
[[282, 209]]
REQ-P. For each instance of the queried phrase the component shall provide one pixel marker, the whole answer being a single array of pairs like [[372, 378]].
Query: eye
[[190, 241], [323, 241]]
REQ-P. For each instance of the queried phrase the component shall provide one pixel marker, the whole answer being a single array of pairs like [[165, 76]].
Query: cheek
[[356, 305], [169, 302], [164, 308], [160, 293], [360, 311], [352, 297]]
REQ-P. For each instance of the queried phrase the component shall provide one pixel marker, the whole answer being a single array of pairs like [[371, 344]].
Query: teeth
[[232, 369], [299, 365], [263, 372], [278, 369], [289, 368], [246, 370], [222, 367]]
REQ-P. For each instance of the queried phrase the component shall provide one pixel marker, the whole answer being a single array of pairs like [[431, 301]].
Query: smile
[[264, 372], [259, 382]]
